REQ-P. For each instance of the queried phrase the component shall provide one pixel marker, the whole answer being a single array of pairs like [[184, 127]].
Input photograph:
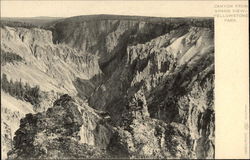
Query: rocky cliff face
[[61, 132], [58, 64], [146, 87]]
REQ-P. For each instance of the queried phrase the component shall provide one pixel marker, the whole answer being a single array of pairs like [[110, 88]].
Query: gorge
[[109, 87]]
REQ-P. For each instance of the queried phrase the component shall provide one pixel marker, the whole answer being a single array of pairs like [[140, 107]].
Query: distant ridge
[[128, 17], [39, 17], [36, 21], [46, 21]]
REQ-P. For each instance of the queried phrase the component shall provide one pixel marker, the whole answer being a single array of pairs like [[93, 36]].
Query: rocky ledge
[[56, 133]]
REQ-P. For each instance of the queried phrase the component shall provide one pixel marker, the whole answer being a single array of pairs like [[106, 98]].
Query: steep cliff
[[57, 65], [149, 81]]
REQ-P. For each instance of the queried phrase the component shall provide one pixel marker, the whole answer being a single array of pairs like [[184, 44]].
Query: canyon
[[110, 87]]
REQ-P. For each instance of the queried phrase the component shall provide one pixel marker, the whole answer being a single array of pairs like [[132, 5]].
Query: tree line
[[16, 24], [21, 91], [8, 57]]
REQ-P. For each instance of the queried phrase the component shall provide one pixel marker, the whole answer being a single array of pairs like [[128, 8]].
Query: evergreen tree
[[10, 87], [20, 91], [4, 82]]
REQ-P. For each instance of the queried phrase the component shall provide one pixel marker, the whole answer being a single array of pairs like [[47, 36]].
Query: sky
[[74, 8]]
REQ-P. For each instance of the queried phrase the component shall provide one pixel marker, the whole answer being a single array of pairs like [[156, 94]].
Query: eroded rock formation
[[58, 133]]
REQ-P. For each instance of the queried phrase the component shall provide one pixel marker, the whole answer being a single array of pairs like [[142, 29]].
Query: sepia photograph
[[80, 83]]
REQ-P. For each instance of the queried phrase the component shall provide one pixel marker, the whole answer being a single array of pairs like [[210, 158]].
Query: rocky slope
[[11, 112], [142, 87]]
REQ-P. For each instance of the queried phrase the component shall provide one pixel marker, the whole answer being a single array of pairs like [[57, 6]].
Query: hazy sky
[[73, 8]]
